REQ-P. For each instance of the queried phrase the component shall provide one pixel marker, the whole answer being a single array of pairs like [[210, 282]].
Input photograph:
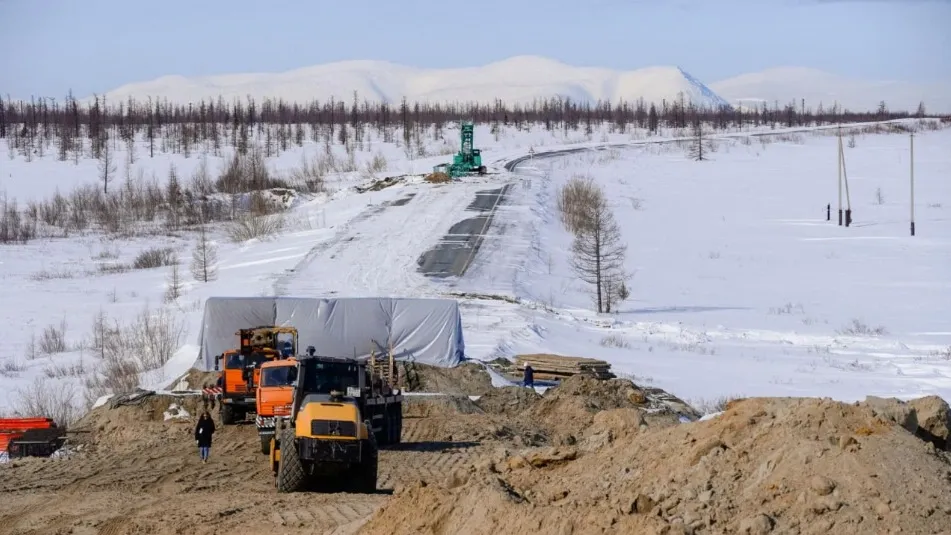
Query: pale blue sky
[[50, 46]]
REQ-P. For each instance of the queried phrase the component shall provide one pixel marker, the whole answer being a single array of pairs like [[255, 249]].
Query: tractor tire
[[290, 471], [482, 170], [227, 414], [266, 444], [366, 476]]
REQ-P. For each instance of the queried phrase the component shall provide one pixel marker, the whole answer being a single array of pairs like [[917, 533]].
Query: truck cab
[[240, 369], [275, 396]]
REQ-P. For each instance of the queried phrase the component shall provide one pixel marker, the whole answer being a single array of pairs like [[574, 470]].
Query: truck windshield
[[322, 377], [278, 376], [237, 361]]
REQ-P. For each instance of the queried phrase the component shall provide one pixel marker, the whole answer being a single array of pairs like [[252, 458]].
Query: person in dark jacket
[[203, 432], [528, 379]]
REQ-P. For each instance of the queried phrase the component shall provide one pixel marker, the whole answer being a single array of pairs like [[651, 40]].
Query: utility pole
[[845, 180], [839, 164], [912, 184]]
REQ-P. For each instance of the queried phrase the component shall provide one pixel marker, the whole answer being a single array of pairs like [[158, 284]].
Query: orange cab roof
[[289, 361]]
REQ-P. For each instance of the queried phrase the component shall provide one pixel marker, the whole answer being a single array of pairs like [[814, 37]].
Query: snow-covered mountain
[[522, 79], [519, 79], [787, 84]]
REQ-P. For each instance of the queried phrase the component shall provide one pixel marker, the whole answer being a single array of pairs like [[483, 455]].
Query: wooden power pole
[[912, 180]]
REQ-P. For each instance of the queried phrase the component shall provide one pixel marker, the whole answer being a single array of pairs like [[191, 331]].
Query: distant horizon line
[[516, 57], [231, 88], [738, 103]]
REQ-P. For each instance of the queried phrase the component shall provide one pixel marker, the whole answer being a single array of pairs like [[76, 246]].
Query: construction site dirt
[[588, 456]]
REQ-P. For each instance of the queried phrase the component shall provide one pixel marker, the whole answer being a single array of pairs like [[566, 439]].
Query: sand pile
[[139, 417], [194, 379], [766, 465], [468, 378], [509, 400], [571, 407], [457, 419], [438, 406], [437, 177]]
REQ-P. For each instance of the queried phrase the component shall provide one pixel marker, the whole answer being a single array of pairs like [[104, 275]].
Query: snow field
[[740, 285]]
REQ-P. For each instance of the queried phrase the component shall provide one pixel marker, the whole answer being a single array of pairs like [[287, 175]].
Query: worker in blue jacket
[[528, 379]]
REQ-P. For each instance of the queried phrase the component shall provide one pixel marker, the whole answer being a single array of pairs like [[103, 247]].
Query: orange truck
[[241, 368], [275, 396]]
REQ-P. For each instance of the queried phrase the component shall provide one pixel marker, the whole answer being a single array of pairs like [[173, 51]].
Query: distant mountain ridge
[[522, 79], [788, 84]]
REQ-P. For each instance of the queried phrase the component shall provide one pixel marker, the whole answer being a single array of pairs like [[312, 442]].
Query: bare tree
[[615, 290], [173, 290], [598, 254], [205, 257], [700, 144], [130, 150], [576, 200], [107, 167]]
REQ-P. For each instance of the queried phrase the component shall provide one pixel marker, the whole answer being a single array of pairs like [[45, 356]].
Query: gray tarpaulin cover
[[427, 330]]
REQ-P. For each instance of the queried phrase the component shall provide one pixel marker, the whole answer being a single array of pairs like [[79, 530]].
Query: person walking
[[203, 432], [528, 379]]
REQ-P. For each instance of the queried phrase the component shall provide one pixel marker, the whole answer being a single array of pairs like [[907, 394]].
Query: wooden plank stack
[[556, 367]]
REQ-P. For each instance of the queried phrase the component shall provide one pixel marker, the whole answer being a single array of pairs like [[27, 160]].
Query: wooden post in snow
[[912, 179]]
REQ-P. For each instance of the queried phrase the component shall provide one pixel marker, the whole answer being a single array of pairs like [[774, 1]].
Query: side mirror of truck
[[218, 363]]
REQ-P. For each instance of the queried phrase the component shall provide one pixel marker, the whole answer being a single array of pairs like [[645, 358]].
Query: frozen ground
[[741, 287]]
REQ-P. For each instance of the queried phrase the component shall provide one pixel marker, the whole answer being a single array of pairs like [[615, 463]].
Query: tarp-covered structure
[[428, 331]]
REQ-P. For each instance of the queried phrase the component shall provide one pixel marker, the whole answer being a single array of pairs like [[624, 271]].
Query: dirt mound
[[468, 378], [438, 406], [195, 379], [509, 400], [766, 465], [454, 418], [570, 407], [934, 420], [141, 474], [141, 417], [438, 178]]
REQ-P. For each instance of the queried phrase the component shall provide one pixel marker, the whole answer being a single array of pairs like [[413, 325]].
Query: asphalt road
[[453, 255], [510, 166], [455, 252]]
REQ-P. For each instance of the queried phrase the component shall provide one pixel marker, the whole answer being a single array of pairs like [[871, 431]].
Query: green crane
[[467, 161]]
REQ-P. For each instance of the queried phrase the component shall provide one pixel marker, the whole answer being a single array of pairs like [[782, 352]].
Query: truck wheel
[[368, 473], [364, 475], [266, 444], [227, 414], [290, 471]]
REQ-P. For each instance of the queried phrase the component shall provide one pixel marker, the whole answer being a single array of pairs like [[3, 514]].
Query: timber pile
[[558, 367]]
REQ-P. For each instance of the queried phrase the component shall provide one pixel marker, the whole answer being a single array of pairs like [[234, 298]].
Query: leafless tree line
[[65, 126], [133, 203], [256, 131]]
